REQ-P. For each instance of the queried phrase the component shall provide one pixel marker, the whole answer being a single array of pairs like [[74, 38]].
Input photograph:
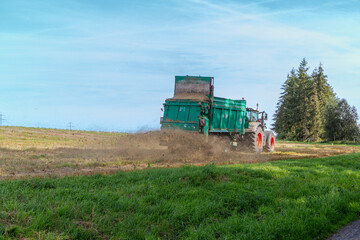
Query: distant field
[[33, 152], [290, 199]]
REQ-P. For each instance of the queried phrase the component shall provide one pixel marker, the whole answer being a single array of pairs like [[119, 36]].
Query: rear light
[[202, 122]]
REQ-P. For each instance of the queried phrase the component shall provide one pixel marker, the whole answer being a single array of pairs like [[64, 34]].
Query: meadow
[[36, 152], [290, 199], [60, 184]]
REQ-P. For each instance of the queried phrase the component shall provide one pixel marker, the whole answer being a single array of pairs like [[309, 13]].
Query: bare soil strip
[[30, 152]]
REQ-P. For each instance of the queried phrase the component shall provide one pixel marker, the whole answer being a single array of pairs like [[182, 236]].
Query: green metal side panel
[[193, 79], [227, 115], [182, 114]]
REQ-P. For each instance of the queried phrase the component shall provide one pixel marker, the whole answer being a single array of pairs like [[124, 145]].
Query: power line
[[2, 119], [70, 125]]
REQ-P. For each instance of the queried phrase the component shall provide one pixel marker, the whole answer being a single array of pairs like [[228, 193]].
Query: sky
[[109, 65]]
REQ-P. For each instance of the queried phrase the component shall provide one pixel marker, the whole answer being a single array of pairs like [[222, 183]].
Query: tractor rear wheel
[[255, 140], [269, 145]]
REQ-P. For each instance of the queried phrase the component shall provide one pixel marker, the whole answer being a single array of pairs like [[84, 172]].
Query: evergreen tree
[[324, 92], [291, 116], [314, 115], [303, 101], [300, 110], [331, 126], [284, 117]]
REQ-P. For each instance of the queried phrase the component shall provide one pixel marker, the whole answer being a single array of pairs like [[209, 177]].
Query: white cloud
[[247, 47]]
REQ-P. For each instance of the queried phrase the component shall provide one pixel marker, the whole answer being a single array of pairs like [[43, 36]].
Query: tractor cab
[[252, 115], [255, 118]]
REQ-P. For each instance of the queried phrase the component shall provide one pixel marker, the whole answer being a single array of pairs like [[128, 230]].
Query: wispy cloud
[[80, 55]]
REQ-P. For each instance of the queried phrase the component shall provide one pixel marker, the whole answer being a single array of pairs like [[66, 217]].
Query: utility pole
[[70, 125], [2, 119]]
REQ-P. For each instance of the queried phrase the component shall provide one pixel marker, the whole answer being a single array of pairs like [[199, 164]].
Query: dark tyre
[[269, 145], [255, 140]]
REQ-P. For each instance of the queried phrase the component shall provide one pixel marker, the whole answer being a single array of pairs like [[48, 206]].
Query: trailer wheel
[[255, 140], [269, 141]]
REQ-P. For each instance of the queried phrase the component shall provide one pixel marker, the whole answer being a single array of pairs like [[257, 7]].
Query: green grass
[[293, 199]]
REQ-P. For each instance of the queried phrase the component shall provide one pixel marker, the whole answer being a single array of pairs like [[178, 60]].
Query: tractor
[[195, 108]]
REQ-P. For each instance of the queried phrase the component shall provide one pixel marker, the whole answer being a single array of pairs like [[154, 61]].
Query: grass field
[[34, 152], [292, 199], [190, 194]]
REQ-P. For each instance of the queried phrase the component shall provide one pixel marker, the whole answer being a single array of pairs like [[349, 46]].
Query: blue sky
[[109, 65]]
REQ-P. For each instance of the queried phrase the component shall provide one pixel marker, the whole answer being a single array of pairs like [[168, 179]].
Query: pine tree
[[284, 117], [300, 110], [303, 96], [314, 116], [324, 92], [331, 126]]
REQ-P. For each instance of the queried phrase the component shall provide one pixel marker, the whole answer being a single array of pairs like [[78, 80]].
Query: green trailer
[[195, 108]]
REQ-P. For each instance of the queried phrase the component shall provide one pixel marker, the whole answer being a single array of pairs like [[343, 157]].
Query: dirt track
[[28, 152], [349, 232]]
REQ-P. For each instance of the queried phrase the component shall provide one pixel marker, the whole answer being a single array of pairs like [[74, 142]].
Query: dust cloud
[[180, 146]]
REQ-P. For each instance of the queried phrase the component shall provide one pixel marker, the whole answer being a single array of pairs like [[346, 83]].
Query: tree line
[[309, 110]]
